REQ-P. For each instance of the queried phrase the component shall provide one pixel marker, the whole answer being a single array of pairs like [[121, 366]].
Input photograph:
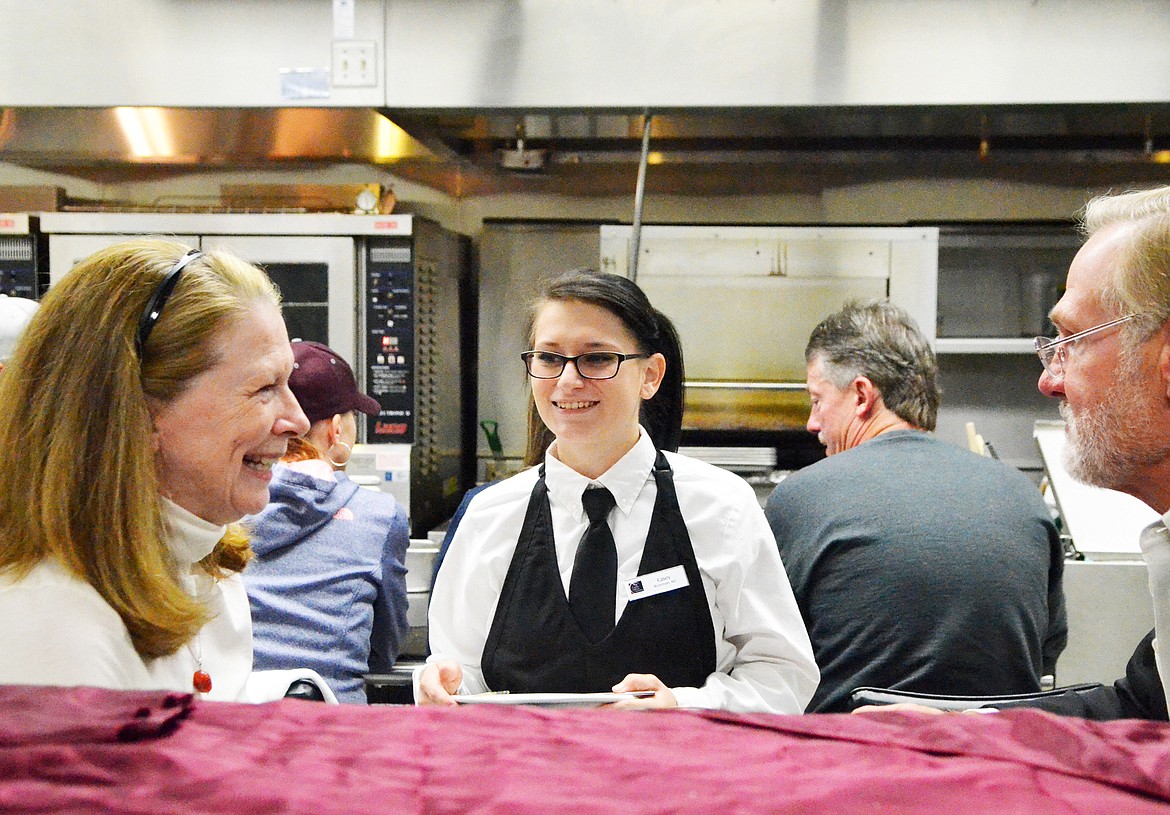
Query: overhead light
[[520, 157], [523, 159], [984, 140], [147, 131]]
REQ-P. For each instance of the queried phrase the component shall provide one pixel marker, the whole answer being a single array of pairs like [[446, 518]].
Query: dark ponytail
[[662, 414]]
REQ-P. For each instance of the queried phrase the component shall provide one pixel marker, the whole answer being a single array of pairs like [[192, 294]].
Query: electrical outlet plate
[[355, 64]]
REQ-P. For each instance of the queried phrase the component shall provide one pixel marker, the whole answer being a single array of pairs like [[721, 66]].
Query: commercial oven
[[384, 291]]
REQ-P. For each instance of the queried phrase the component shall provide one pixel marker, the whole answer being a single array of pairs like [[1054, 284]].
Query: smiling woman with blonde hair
[[141, 415]]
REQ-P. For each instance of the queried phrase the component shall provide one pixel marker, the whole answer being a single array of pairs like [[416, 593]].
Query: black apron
[[535, 644]]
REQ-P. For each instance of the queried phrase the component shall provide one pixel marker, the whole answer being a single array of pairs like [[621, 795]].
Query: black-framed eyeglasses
[[1053, 351], [159, 299], [591, 365]]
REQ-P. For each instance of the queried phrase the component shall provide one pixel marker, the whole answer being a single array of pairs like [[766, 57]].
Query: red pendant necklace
[[201, 680]]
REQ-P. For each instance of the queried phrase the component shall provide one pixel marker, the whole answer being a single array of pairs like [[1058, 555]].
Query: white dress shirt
[[1155, 543], [764, 661]]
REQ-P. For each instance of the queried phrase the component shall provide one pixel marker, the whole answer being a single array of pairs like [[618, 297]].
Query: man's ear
[[1164, 359], [867, 398]]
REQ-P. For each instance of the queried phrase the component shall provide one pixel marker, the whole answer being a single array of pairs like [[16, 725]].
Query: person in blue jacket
[[327, 585]]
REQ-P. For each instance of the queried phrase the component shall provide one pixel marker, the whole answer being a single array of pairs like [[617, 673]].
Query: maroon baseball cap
[[324, 383]]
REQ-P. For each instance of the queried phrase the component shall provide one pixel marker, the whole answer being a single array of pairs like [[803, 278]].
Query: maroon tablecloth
[[87, 750]]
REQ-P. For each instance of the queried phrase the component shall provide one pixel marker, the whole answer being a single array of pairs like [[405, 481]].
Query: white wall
[[635, 53], [581, 53], [207, 53]]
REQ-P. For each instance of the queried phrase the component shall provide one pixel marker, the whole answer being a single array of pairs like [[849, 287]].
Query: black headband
[[154, 308]]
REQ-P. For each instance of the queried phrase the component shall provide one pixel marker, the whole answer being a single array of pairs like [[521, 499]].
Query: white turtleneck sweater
[[55, 629]]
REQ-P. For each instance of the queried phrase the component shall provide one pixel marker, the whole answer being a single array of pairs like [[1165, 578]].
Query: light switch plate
[[355, 63]]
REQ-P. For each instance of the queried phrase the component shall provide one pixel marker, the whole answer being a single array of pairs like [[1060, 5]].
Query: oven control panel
[[390, 338], [23, 271]]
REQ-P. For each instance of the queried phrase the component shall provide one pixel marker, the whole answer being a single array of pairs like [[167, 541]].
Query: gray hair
[[881, 342], [1141, 282]]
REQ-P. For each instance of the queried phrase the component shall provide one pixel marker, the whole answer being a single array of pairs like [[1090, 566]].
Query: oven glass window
[[304, 291]]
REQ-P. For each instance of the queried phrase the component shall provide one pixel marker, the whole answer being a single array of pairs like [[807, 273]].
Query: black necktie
[[593, 586]]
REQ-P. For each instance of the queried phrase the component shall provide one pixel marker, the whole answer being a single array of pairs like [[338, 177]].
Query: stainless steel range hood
[[595, 153], [89, 140]]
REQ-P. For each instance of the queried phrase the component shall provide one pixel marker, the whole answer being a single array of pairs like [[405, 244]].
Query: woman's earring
[[339, 458]]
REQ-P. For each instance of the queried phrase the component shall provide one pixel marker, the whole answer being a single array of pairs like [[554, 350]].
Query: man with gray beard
[[1110, 369]]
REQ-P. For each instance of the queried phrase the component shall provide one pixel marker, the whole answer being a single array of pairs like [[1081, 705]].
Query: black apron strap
[[537, 526], [666, 511]]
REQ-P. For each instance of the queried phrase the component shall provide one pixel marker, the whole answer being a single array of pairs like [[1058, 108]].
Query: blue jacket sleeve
[[452, 526], [390, 624]]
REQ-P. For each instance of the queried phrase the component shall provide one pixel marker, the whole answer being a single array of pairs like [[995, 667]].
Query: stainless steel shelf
[[984, 345]]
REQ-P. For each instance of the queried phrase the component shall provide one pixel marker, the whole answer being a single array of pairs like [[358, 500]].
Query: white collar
[[625, 479], [190, 537]]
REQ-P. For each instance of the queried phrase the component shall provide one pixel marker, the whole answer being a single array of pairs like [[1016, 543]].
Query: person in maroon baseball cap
[[328, 583], [325, 386]]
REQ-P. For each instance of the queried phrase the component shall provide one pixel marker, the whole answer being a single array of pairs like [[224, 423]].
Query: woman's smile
[[575, 405], [261, 463]]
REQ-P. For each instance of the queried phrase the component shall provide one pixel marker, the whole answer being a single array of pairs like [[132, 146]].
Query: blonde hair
[[539, 438], [1141, 282], [75, 422]]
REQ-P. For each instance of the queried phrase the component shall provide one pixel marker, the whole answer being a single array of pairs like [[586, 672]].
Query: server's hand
[[439, 682], [900, 707], [663, 696]]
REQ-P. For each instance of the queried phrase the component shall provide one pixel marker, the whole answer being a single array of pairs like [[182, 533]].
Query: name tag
[[648, 585]]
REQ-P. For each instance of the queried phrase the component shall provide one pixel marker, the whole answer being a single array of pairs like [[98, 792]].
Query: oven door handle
[[747, 386]]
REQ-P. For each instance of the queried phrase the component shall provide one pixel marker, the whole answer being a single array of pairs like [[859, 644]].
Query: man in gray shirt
[[917, 565]]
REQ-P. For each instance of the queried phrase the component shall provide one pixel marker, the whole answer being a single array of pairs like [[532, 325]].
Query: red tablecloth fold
[[293, 757], [34, 715]]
